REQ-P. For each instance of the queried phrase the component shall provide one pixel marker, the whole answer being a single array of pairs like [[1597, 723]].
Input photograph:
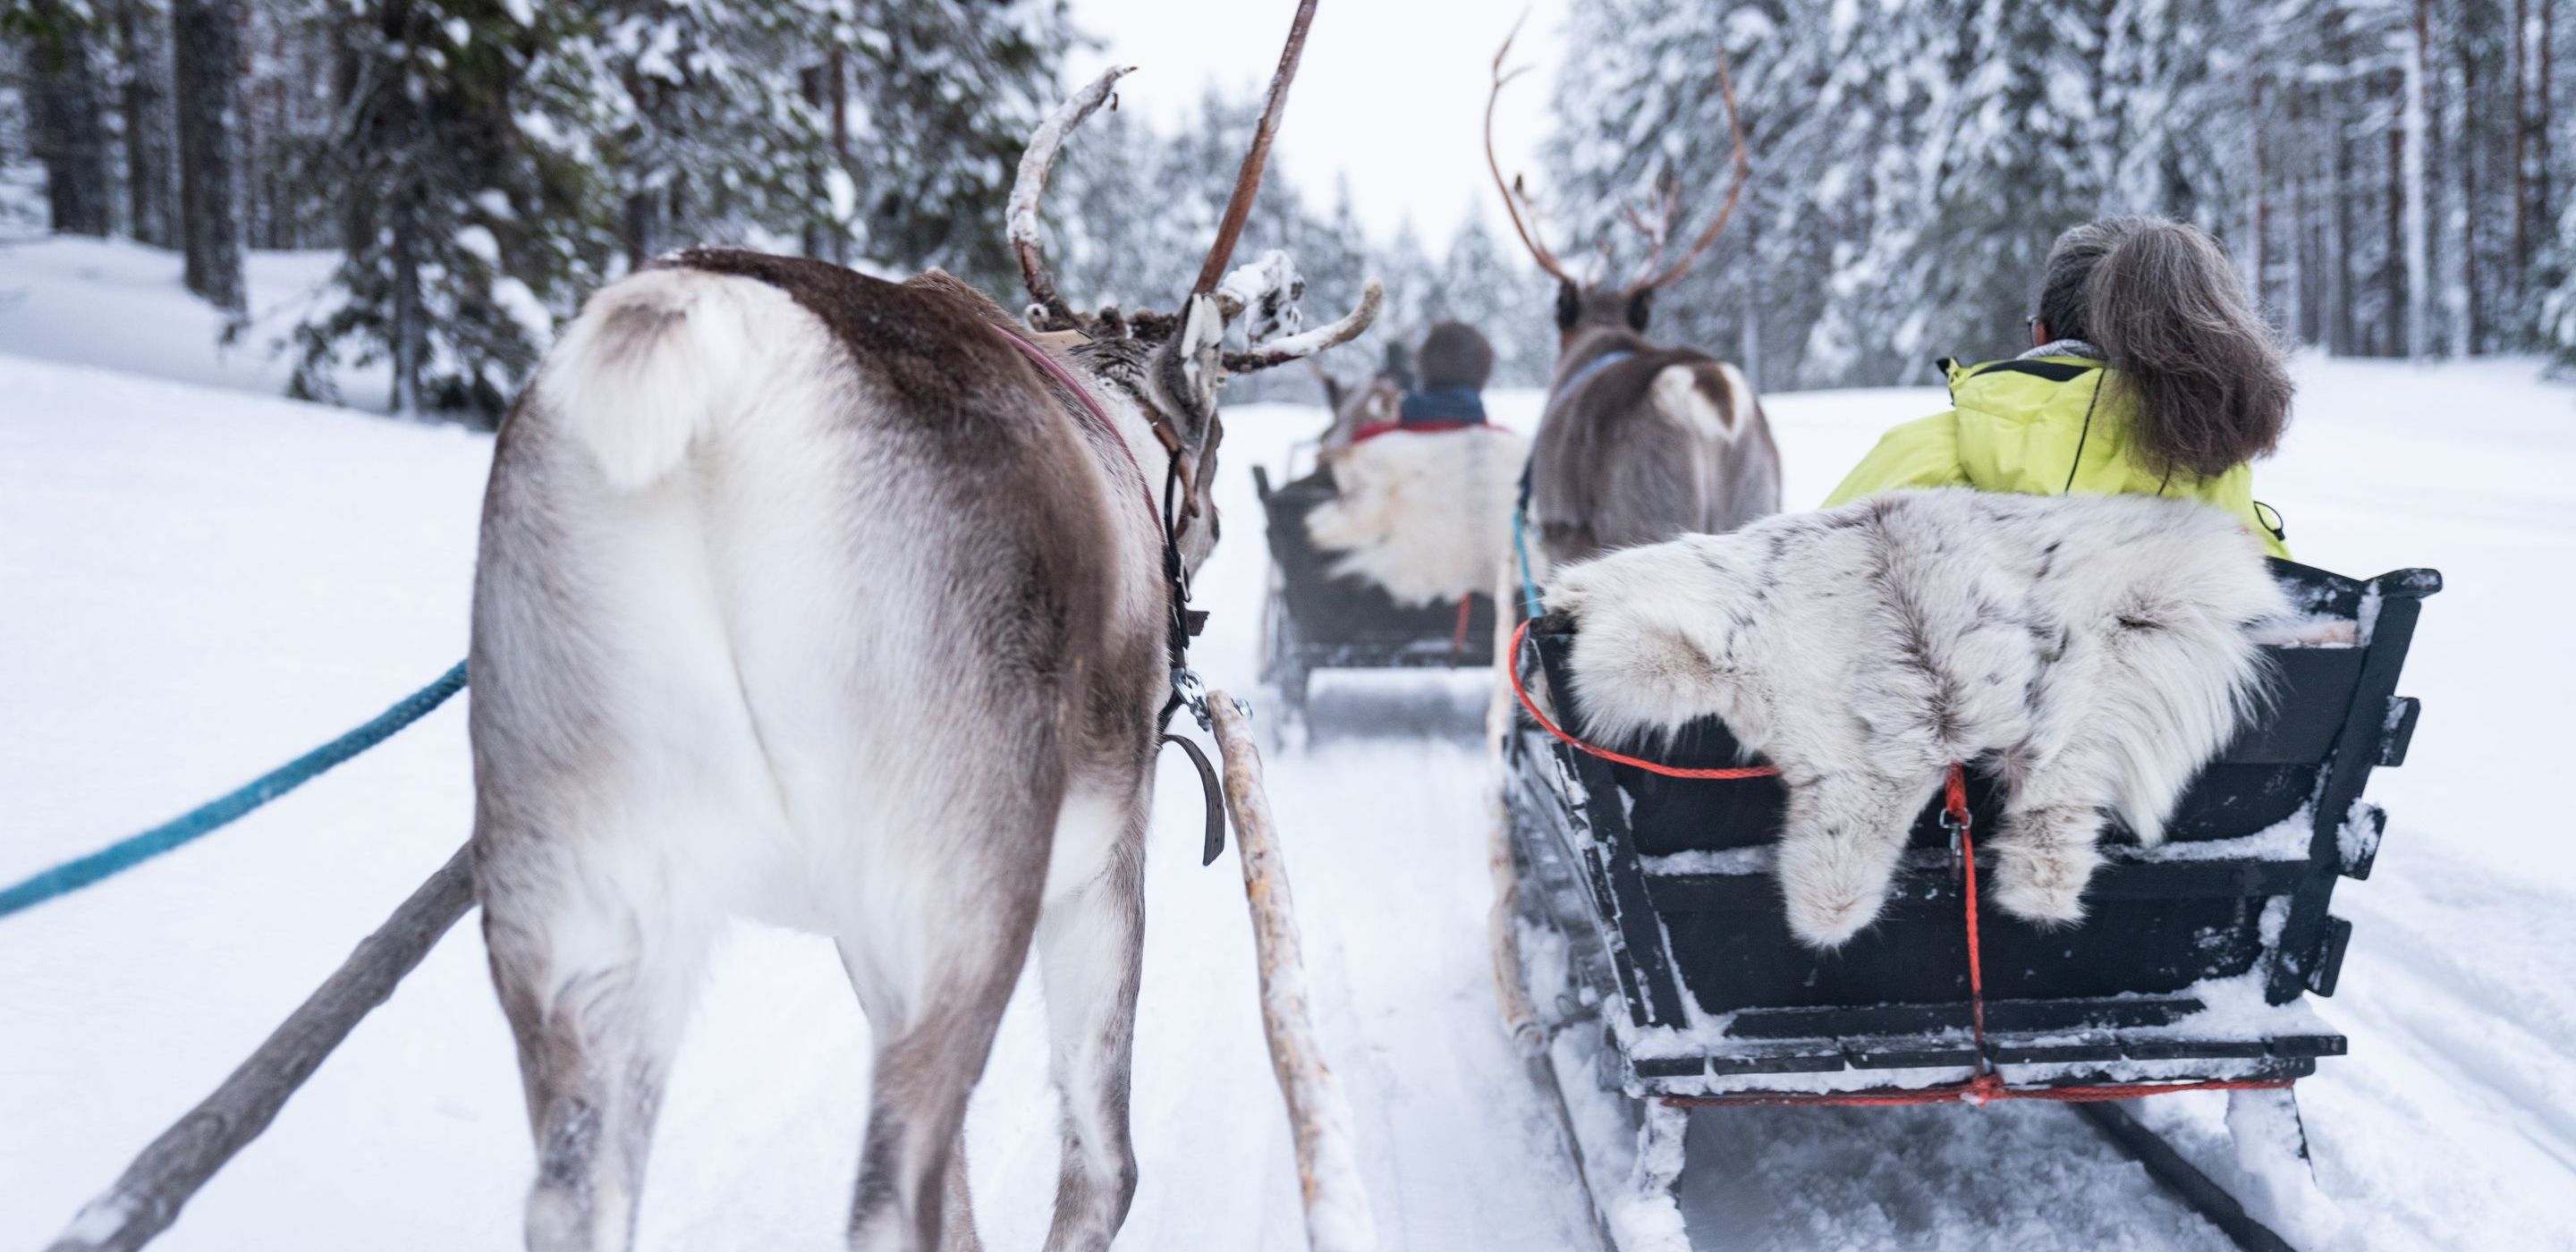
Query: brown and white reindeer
[[843, 605], [1639, 442]]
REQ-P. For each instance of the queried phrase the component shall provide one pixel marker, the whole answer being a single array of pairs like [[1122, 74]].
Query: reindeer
[[1373, 401], [1639, 442], [853, 607]]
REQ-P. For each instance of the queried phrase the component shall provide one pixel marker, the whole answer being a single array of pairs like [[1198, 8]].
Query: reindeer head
[[1585, 305], [1173, 364]]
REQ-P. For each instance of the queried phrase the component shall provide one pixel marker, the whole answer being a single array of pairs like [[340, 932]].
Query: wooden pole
[[147, 1198], [1338, 1218]]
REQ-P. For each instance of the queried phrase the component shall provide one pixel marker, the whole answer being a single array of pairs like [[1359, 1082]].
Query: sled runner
[[1312, 619], [1648, 916]]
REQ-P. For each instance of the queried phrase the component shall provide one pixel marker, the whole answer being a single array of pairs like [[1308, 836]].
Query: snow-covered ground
[[115, 303], [196, 584]]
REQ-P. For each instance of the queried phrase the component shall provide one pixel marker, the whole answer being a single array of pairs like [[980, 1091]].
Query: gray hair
[[2205, 377]]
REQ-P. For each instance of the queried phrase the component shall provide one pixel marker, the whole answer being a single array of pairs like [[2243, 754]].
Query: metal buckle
[[1193, 693], [1952, 826]]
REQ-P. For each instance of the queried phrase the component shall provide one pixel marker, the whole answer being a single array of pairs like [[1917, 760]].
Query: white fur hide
[[1427, 515], [2092, 650]]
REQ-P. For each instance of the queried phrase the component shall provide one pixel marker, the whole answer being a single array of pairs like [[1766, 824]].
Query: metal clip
[[1952, 826], [1193, 694]]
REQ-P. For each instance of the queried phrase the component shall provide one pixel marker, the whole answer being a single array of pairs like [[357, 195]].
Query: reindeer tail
[[647, 367]]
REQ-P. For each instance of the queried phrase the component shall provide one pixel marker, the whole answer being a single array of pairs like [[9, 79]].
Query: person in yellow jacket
[[2151, 373]]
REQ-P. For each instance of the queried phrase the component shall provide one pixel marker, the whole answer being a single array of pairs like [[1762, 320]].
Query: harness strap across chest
[[1186, 689]]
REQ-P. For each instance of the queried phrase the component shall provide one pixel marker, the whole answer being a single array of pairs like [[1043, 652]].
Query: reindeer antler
[[1230, 227], [1734, 192], [1035, 163], [1323, 338], [1510, 189]]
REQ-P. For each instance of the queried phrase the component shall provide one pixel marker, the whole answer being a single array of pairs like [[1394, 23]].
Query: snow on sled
[[1654, 944], [1383, 557]]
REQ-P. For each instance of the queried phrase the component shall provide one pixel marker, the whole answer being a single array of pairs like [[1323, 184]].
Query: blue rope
[[1531, 604], [125, 854]]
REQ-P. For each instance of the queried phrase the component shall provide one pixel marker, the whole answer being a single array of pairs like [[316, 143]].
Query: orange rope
[[1986, 1085], [1512, 665]]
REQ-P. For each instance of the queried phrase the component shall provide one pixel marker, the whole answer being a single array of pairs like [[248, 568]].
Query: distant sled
[[1383, 556], [1643, 940]]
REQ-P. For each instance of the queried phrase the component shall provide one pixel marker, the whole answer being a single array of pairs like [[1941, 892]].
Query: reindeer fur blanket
[[1425, 515], [2094, 651]]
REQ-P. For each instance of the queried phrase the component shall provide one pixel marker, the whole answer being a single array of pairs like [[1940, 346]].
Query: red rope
[[1458, 639], [1982, 1089], [1986, 1085], [1512, 665], [1954, 812]]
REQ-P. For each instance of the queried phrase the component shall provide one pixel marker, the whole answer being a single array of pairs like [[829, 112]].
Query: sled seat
[[1327, 622], [2192, 962]]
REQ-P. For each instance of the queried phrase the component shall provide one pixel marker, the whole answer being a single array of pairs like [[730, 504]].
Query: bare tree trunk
[[2464, 297], [2542, 107], [151, 167], [2521, 129], [2337, 280], [70, 137], [840, 105], [2392, 273], [1752, 286], [410, 332], [2301, 312], [2256, 262], [2419, 232], [207, 53], [813, 82], [2339, 189]]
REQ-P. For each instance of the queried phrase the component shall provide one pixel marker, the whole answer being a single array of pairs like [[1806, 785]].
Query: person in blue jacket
[[1452, 366]]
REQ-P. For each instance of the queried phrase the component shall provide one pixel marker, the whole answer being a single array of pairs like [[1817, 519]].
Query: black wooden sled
[[1312, 620], [1658, 893]]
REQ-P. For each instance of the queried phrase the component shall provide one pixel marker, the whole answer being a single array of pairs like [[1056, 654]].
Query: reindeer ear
[[1188, 369], [1641, 306], [1569, 305]]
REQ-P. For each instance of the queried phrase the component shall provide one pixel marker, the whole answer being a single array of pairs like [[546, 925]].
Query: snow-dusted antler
[[1511, 188], [1031, 184], [1323, 338], [1230, 227], [1734, 191]]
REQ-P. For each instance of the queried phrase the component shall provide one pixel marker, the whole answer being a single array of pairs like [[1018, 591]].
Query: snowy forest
[[2391, 172]]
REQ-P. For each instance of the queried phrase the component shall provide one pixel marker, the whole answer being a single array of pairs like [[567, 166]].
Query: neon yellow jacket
[[2034, 427]]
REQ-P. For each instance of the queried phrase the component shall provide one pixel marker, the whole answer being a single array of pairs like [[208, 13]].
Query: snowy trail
[[199, 583]]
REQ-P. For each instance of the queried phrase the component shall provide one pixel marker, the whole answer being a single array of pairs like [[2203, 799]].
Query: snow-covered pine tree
[[703, 117], [468, 203], [1480, 284], [946, 93]]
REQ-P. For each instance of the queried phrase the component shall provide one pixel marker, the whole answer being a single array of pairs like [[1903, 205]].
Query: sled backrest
[[2251, 857]]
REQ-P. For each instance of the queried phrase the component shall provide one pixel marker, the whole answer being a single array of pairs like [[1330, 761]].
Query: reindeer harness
[[1184, 623]]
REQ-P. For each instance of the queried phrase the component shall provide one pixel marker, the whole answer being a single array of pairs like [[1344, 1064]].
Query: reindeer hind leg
[[1090, 953], [934, 982], [596, 993]]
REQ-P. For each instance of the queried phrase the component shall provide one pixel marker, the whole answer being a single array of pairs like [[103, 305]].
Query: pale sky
[[1391, 92]]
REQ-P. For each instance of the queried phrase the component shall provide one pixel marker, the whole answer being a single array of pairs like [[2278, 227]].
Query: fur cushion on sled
[[2094, 651], [1425, 515]]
